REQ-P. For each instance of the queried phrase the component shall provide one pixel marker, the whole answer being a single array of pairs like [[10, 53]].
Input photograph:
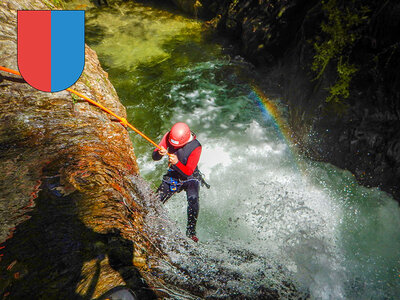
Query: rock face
[[71, 222], [361, 133]]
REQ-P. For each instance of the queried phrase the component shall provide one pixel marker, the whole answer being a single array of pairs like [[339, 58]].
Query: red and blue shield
[[51, 48]]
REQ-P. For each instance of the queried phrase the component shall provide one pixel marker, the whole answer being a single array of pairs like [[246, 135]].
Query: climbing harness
[[175, 184], [123, 121]]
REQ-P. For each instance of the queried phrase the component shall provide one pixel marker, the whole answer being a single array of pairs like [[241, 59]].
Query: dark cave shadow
[[45, 256]]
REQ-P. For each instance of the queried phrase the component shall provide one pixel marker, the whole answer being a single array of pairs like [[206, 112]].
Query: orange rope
[[123, 121], [10, 71]]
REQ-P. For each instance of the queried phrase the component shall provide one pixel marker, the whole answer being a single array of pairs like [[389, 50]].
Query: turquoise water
[[338, 239]]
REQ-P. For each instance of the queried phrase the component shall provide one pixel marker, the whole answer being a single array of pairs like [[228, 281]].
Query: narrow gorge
[[78, 213]]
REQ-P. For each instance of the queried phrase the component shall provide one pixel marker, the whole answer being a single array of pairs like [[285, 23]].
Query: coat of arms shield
[[51, 48]]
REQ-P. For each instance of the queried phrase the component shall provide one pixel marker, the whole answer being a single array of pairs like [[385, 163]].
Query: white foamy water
[[266, 205], [281, 207]]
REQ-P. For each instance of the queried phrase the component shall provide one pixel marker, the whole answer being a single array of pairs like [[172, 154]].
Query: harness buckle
[[173, 185]]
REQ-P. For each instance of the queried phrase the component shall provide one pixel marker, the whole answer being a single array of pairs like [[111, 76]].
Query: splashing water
[[338, 239]]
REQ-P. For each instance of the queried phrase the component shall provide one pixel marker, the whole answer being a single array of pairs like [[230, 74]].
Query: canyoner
[[183, 174]]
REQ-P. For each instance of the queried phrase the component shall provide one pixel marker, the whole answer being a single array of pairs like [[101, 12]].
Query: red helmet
[[179, 135]]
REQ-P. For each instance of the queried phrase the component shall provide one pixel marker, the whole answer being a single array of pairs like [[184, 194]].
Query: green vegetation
[[75, 98], [59, 3], [339, 33]]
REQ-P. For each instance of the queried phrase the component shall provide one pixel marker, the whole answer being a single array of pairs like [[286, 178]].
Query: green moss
[[282, 11], [340, 31], [86, 80], [48, 4], [75, 98], [342, 85], [232, 6], [59, 3]]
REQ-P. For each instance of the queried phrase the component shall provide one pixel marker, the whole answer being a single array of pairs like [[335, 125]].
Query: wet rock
[[65, 230]]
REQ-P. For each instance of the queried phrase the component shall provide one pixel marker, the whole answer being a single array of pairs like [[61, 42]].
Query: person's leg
[[164, 192], [192, 192]]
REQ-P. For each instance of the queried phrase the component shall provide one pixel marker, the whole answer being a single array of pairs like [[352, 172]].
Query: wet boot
[[192, 235], [193, 211]]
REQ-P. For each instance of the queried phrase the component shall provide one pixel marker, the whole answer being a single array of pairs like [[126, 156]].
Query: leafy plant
[[340, 31]]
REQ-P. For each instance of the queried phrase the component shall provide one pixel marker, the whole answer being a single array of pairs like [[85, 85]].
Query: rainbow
[[270, 111]]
